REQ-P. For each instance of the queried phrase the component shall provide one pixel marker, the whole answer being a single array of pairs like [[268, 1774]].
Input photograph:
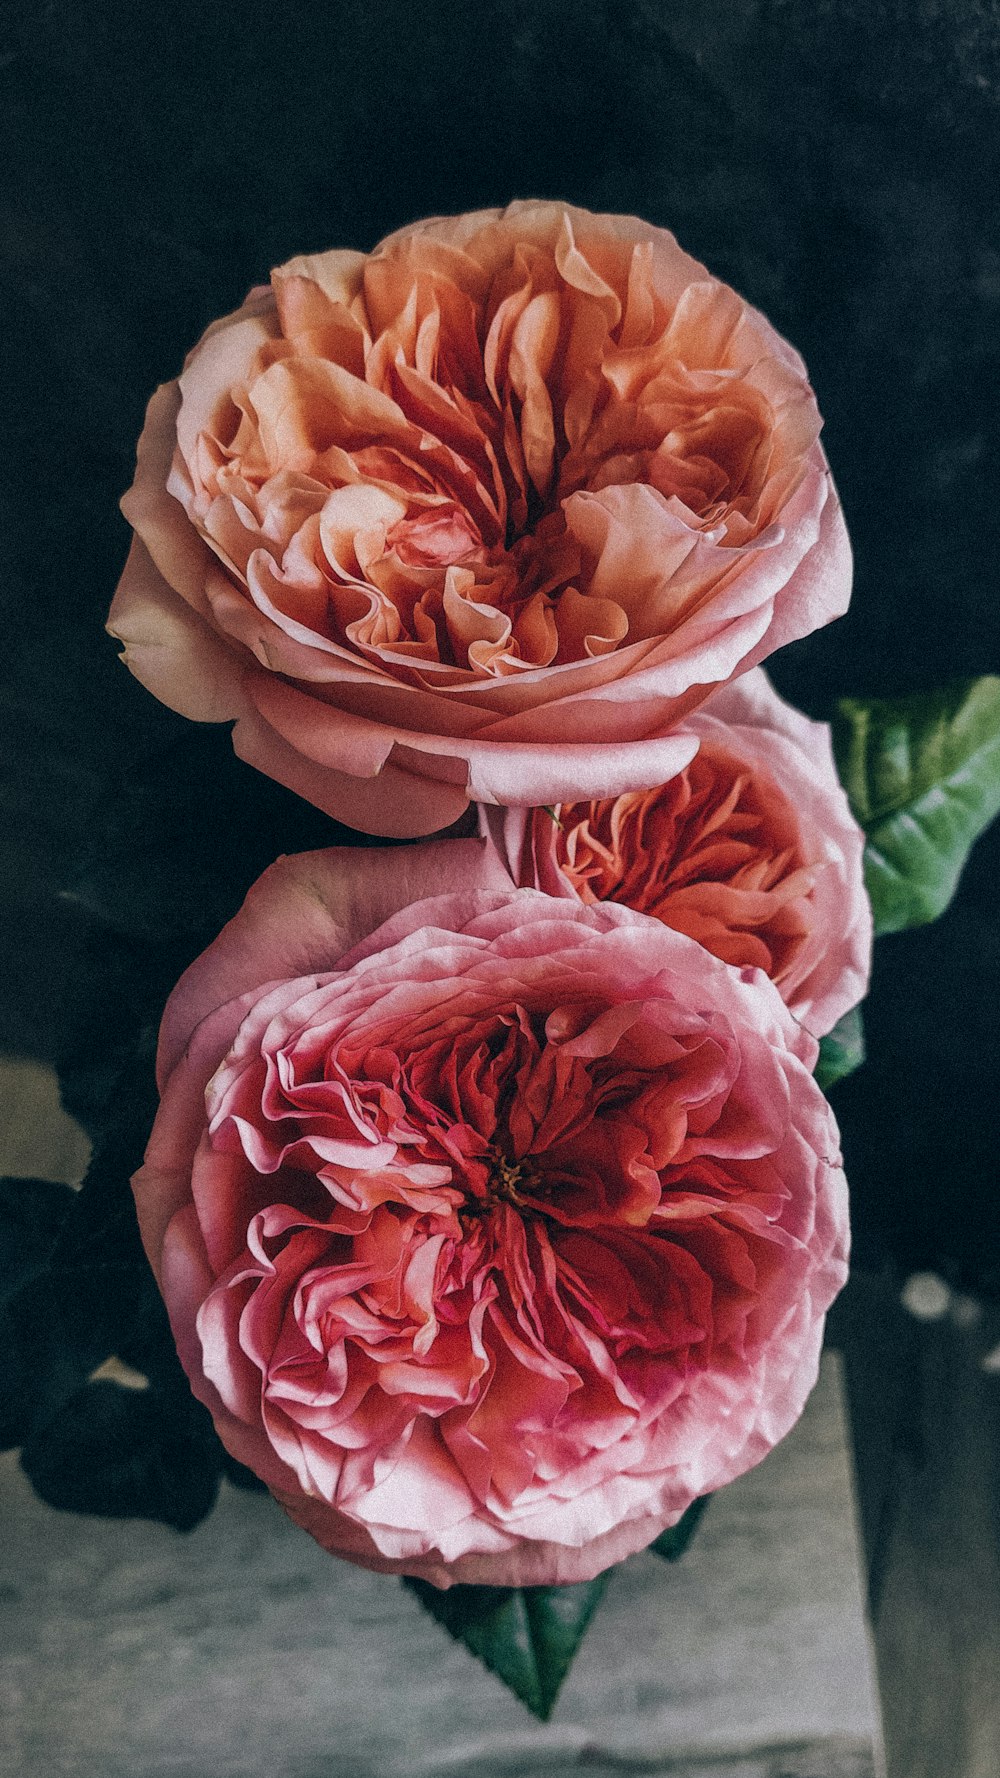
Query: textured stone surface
[[242, 1651]]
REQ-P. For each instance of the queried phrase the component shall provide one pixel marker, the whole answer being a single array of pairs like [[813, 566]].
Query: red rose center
[[510, 1182]]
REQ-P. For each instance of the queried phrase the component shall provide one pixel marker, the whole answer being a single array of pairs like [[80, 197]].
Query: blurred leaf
[[32, 1212], [922, 774], [101, 1277], [38, 1370], [115, 1001], [80, 1291], [527, 1636], [239, 1474], [40, 1367], [841, 1050], [91, 1295], [672, 1542], [126, 1453]]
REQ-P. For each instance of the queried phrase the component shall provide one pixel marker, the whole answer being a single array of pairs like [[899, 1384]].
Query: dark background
[[836, 160]]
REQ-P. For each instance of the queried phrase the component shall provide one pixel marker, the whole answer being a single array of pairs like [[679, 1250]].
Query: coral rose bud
[[480, 515], [751, 849], [494, 1234]]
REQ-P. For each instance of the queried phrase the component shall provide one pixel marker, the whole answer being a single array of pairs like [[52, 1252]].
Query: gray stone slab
[[242, 1651]]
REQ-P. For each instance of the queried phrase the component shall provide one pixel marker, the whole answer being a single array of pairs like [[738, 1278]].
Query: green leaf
[[527, 1636], [672, 1542], [841, 1050], [922, 775]]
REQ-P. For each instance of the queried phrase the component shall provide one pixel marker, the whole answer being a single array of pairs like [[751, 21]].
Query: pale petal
[[172, 651], [304, 913]]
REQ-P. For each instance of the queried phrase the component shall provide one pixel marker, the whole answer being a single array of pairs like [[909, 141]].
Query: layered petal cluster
[[494, 1228], [751, 849], [480, 515]]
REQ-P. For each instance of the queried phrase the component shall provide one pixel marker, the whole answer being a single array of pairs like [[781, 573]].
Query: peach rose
[[479, 515], [493, 1235], [751, 849]]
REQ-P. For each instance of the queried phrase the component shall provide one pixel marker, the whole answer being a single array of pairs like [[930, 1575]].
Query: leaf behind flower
[[76, 1290], [126, 1453], [32, 1212], [527, 1636], [922, 774], [841, 1050], [672, 1542]]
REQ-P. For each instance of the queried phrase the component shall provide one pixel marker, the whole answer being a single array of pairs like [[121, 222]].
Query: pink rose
[[492, 1235], [751, 849], [480, 515]]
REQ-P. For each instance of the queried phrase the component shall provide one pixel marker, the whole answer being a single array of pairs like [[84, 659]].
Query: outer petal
[[304, 914], [446, 771], [172, 651], [820, 587], [799, 754], [388, 800], [186, 1277], [524, 1564], [182, 557]]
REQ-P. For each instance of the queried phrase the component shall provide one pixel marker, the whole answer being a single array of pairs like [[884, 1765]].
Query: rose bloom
[[751, 849], [495, 1234], [480, 515]]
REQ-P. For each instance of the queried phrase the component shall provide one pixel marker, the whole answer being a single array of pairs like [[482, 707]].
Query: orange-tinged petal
[[555, 462]]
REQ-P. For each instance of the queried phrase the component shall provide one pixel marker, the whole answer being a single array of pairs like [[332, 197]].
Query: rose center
[[509, 1182]]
